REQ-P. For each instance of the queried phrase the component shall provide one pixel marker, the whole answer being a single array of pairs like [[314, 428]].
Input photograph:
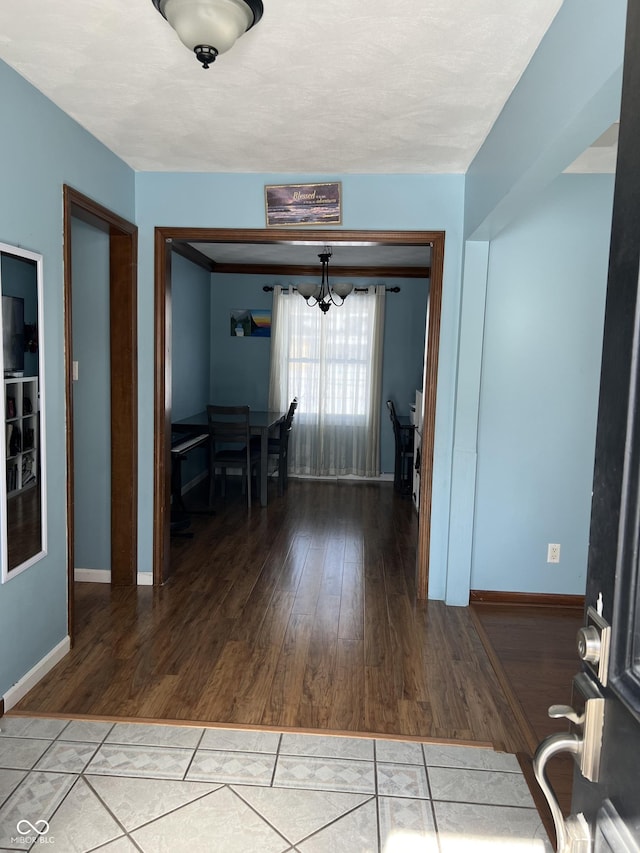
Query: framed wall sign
[[304, 204]]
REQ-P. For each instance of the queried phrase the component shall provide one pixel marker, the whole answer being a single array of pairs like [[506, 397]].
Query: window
[[332, 363]]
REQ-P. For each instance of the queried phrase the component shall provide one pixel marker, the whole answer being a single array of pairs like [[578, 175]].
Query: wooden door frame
[[164, 238], [123, 257]]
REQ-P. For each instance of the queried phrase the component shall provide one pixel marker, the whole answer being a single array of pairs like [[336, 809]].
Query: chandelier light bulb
[[342, 288], [309, 290]]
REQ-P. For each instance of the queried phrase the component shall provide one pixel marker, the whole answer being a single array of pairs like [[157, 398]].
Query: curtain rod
[[268, 288]]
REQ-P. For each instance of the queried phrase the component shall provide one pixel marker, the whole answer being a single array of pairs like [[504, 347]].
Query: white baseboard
[[236, 472], [92, 575], [382, 478], [104, 576], [21, 688]]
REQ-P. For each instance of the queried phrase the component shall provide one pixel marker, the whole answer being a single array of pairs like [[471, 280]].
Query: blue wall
[[190, 350], [405, 316], [567, 96], [539, 391], [190, 337], [40, 149], [91, 397], [239, 366]]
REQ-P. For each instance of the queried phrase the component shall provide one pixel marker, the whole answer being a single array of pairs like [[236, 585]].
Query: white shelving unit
[[21, 403]]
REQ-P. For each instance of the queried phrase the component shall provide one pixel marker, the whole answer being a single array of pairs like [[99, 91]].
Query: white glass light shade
[[342, 288], [216, 23], [309, 289]]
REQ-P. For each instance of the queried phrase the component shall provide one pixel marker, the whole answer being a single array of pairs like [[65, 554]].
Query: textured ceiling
[[336, 87], [306, 253]]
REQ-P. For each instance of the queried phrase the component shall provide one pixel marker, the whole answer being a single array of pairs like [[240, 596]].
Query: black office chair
[[403, 467], [230, 447]]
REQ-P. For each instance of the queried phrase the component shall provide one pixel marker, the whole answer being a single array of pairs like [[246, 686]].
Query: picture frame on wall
[[303, 204], [250, 323]]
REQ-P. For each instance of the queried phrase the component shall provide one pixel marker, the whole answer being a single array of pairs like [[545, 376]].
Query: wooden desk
[[260, 423]]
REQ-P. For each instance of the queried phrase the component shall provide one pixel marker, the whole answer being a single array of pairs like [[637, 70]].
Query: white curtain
[[333, 363]]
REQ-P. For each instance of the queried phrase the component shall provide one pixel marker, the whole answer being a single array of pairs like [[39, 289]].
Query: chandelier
[[325, 295], [210, 27]]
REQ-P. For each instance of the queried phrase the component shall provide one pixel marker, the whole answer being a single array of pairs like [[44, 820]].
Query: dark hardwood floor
[[534, 653], [301, 615]]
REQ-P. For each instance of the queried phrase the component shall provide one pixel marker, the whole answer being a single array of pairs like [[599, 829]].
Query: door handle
[[572, 833], [556, 712]]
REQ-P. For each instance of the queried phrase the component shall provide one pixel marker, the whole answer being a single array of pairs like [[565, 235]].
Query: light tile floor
[[81, 786]]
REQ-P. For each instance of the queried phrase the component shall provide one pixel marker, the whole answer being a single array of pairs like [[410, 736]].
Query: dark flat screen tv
[[13, 335]]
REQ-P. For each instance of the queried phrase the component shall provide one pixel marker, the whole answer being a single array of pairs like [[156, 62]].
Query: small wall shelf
[[21, 401]]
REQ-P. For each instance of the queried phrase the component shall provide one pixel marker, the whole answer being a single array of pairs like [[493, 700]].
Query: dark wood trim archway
[[168, 238], [123, 255]]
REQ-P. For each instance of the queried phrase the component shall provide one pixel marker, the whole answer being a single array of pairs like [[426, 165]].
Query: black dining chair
[[278, 446], [230, 447], [281, 445], [403, 435]]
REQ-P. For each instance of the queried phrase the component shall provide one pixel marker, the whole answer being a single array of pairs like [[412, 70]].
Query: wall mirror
[[23, 526]]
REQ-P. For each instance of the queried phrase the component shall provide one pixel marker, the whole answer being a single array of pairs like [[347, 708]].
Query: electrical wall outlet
[[553, 553]]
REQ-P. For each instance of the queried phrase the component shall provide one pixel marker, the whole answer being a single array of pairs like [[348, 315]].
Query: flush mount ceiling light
[[324, 295], [210, 27]]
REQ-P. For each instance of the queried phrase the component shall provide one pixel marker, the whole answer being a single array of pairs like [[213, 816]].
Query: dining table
[[261, 423]]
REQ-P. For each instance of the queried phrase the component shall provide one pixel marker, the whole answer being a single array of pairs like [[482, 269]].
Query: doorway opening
[[123, 248], [182, 240]]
